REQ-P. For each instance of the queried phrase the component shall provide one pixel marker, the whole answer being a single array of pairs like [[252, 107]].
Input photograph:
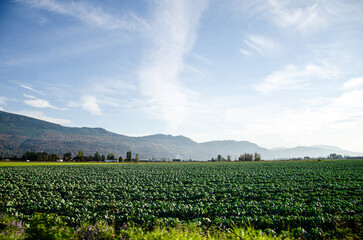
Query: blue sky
[[277, 73]]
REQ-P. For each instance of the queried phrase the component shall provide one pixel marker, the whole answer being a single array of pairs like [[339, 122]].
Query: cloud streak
[[287, 15], [89, 14], [293, 78], [304, 19], [37, 102], [173, 33], [262, 45], [31, 89]]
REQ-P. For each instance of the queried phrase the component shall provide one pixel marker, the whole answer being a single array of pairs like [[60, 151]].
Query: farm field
[[310, 199]]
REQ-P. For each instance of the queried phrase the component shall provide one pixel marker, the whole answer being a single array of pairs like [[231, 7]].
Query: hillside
[[19, 134]]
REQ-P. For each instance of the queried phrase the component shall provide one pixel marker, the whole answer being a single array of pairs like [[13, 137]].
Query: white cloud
[[354, 83], [37, 102], [93, 16], [31, 89], [292, 78], [173, 33], [288, 14], [90, 104], [245, 52], [262, 45], [41, 116], [305, 19]]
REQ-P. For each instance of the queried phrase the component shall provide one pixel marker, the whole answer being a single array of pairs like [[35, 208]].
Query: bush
[[47, 227], [98, 231], [11, 228]]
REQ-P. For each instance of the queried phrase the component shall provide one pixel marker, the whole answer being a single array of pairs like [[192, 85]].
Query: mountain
[[312, 151], [19, 134]]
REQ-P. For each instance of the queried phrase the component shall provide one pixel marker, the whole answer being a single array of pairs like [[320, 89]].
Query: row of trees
[[44, 157], [243, 157], [250, 157], [97, 157]]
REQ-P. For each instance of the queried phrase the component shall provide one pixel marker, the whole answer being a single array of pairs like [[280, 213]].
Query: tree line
[[79, 157], [243, 157]]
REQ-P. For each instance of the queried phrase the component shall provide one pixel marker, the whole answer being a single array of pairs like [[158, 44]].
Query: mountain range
[[19, 134]]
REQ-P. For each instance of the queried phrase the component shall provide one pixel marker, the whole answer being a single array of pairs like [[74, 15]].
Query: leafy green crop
[[311, 199]]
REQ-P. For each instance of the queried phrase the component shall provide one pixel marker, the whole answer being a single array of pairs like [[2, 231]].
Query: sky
[[277, 73]]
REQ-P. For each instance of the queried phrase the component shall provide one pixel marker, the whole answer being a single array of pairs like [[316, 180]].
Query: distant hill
[[19, 134]]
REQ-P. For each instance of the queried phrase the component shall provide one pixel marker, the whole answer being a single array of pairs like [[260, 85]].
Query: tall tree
[[80, 155], [97, 157], [67, 156], [257, 156], [137, 158], [110, 156], [129, 156]]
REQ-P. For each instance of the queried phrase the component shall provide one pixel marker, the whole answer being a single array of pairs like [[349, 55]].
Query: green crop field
[[310, 199]]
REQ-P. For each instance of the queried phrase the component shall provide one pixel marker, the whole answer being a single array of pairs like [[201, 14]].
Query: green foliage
[[110, 156], [246, 157], [10, 228], [67, 156], [97, 157], [194, 231], [311, 199], [48, 227], [257, 157], [101, 230], [41, 229], [129, 156]]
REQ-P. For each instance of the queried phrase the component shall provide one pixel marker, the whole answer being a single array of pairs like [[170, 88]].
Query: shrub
[[98, 231], [48, 227], [11, 228]]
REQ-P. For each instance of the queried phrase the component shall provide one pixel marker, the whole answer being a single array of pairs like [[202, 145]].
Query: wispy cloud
[[42, 116], [287, 14], [261, 44], [354, 83], [3, 100], [37, 102], [292, 77], [91, 104], [305, 18], [173, 33], [90, 15], [31, 89], [245, 52]]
